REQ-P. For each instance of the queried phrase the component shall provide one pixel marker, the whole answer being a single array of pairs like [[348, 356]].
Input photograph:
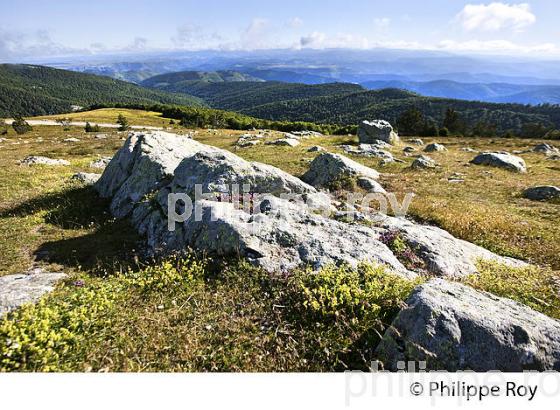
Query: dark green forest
[[31, 90]]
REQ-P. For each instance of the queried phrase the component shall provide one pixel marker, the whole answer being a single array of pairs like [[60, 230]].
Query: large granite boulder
[[280, 236], [453, 327], [542, 193], [327, 168], [502, 160], [377, 130], [28, 287]]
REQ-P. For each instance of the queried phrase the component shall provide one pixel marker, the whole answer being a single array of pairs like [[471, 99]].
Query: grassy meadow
[[119, 312]]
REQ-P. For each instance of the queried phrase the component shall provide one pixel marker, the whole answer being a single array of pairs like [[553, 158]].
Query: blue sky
[[34, 28]]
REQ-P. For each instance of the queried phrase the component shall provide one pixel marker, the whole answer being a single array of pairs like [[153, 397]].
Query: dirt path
[[83, 124]]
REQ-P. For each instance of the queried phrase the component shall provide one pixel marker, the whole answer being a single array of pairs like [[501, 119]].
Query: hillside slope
[[389, 104], [36, 90], [241, 95]]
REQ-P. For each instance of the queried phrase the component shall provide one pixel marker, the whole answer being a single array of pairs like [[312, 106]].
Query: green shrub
[[180, 274], [21, 126], [50, 335], [533, 286], [343, 313]]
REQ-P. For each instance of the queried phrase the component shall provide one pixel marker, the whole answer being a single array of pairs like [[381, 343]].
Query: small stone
[[542, 193], [36, 160], [434, 148]]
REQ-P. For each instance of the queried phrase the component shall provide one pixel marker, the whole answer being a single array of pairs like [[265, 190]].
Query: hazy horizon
[[43, 30]]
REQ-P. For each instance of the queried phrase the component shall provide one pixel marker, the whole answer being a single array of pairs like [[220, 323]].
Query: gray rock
[[316, 148], [215, 171], [416, 141], [21, 288], [101, 136], [369, 150], [554, 158], [327, 168], [277, 234], [442, 253], [545, 149], [501, 160], [370, 131], [434, 148], [86, 178], [409, 149], [286, 142], [468, 149], [36, 160], [72, 139], [423, 162], [370, 185], [280, 237], [453, 327], [145, 163], [247, 143], [542, 193], [100, 163]]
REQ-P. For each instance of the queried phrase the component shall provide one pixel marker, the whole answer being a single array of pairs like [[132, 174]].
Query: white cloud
[[193, 37], [29, 44], [496, 16], [381, 23], [255, 36], [497, 47], [294, 22]]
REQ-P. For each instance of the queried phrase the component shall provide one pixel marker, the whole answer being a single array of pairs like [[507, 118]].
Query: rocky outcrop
[[378, 130], [36, 160], [434, 148], [327, 168], [274, 232], [453, 327], [316, 148], [542, 193], [21, 288], [502, 160]]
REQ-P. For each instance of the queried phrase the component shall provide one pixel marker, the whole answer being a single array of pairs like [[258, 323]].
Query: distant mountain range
[[492, 92], [36, 90]]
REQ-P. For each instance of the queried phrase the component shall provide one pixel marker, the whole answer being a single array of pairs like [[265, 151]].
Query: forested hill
[[241, 95], [391, 104], [174, 81], [36, 90]]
